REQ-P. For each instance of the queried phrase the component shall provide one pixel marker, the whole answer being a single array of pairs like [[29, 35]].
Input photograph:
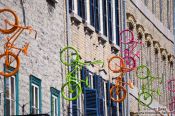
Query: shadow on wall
[[51, 5]]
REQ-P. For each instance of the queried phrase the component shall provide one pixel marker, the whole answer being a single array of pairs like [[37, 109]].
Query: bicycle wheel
[[69, 56], [130, 63], [8, 14], [145, 98], [118, 93], [171, 85], [116, 64], [73, 88], [7, 60], [143, 72], [126, 36]]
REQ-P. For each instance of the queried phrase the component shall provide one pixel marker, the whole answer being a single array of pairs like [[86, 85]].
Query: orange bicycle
[[8, 57], [120, 91]]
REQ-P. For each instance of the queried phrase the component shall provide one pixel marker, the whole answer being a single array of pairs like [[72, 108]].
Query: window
[[35, 95], [153, 6], [55, 102], [94, 14], [146, 2], [117, 22], [109, 20], [11, 102], [160, 2], [104, 17], [71, 5], [168, 14], [81, 8]]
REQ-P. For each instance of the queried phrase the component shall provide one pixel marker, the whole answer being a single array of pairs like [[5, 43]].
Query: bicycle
[[119, 90], [147, 92], [73, 84], [8, 56]]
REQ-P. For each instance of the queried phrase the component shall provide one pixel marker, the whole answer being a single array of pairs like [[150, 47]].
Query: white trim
[[34, 105], [75, 3], [55, 98], [101, 16], [113, 21], [88, 11]]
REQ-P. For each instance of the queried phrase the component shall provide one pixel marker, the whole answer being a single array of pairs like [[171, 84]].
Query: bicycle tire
[[131, 39], [141, 67], [168, 84], [74, 83], [62, 58], [119, 67], [12, 29], [15, 70], [121, 88], [143, 94], [131, 65]]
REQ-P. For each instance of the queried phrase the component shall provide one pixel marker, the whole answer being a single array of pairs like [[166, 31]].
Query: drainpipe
[[126, 102], [68, 42]]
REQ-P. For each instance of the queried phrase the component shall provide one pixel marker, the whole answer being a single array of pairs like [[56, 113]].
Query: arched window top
[[131, 21], [163, 53], [156, 50], [156, 45], [140, 31], [148, 39]]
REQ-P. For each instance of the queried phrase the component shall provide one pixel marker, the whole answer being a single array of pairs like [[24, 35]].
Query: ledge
[[89, 27], [159, 25], [115, 48], [75, 17], [102, 38]]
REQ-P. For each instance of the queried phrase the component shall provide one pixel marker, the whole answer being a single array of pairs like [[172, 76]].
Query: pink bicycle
[[171, 85], [127, 39]]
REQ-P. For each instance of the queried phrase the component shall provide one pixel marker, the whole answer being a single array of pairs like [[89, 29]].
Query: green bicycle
[[73, 84], [146, 95]]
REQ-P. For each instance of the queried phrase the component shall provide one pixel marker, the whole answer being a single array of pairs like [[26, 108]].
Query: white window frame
[[55, 98], [10, 97], [34, 105]]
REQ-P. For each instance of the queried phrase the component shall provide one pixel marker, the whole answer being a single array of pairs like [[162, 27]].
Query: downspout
[[126, 102], [68, 42]]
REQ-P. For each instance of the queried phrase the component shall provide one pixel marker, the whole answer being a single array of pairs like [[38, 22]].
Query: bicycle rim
[[116, 64], [143, 72], [118, 93], [69, 53], [145, 98], [73, 94], [12, 16], [13, 67]]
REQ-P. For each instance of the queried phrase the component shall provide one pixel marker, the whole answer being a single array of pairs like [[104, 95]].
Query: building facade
[[35, 89], [93, 28]]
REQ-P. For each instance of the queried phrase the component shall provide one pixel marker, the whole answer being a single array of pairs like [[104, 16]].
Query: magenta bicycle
[[127, 39]]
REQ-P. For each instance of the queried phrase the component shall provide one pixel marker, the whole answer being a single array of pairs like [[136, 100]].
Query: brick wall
[[43, 59]]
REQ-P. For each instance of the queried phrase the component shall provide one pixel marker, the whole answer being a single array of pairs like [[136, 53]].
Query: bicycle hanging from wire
[[146, 94], [9, 57], [118, 91], [73, 84]]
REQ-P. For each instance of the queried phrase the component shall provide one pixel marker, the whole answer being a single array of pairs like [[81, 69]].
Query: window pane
[[12, 88], [7, 107], [52, 106], [32, 95], [56, 107], [12, 108], [36, 97]]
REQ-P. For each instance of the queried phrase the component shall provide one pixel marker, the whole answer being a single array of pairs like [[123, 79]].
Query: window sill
[[75, 17], [102, 38], [89, 28], [115, 48]]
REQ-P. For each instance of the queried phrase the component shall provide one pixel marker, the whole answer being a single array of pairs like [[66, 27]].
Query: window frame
[[36, 82], [56, 95], [16, 96]]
